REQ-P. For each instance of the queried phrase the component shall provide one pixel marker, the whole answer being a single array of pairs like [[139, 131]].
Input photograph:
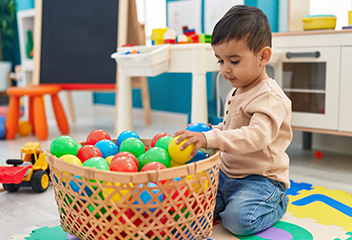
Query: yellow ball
[[70, 159], [175, 164], [175, 152], [118, 194], [196, 185], [109, 158], [24, 128]]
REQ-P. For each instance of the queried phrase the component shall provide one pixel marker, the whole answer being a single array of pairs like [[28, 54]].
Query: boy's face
[[240, 66]]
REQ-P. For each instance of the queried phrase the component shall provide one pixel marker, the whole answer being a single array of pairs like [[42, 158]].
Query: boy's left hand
[[197, 138]]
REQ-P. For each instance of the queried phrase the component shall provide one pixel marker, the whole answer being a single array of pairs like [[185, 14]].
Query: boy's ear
[[265, 55]]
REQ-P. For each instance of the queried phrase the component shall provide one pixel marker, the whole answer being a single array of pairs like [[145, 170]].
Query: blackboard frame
[[128, 31]]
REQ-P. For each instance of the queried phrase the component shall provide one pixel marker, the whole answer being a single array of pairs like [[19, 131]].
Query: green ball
[[132, 145], [92, 208], [163, 142], [140, 160], [79, 145], [157, 154], [63, 145], [98, 163]]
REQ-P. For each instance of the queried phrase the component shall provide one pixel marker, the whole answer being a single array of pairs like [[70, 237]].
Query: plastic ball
[[125, 155], [153, 166], [123, 165], [124, 135], [157, 137], [2, 126], [140, 160], [97, 162], [132, 145], [163, 142], [175, 164], [146, 197], [102, 210], [63, 145], [198, 156], [25, 128], [198, 127], [196, 185], [157, 154], [97, 135], [175, 152], [118, 193], [70, 159], [79, 145], [175, 196], [76, 187], [88, 151], [109, 158], [107, 147]]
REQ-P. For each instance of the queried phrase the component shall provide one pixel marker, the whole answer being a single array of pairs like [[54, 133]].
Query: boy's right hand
[[197, 138]]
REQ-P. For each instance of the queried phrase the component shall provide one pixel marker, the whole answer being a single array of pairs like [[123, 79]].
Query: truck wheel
[[11, 187], [40, 181]]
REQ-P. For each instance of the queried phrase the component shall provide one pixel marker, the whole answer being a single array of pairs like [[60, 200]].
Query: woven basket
[[96, 204]]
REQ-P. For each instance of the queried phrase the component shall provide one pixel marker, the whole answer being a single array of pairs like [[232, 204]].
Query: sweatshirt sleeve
[[266, 112]]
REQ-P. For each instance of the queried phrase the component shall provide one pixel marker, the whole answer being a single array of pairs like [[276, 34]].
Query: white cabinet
[[315, 73], [309, 79], [345, 119]]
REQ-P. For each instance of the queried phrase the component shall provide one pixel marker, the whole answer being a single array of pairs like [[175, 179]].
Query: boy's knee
[[237, 222]]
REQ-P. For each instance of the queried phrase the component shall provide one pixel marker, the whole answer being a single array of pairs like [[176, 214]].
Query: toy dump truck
[[29, 171]]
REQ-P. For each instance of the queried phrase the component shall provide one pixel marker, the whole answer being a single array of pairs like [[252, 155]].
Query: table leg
[[59, 114], [199, 109], [40, 124], [124, 103], [11, 124]]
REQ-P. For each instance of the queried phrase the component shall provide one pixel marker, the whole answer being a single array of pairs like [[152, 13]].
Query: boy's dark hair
[[246, 23]]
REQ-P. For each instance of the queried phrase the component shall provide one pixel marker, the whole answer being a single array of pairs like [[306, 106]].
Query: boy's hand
[[197, 138]]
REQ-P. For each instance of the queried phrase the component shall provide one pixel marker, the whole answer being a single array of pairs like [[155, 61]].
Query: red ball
[[157, 136], [88, 151], [97, 135], [123, 165], [153, 166], [127, 155]]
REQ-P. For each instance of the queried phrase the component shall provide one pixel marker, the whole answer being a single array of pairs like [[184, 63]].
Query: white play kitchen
[[315, 72]]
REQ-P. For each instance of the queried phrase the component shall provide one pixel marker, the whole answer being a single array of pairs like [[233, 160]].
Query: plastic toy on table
[[157, 36], [29, 171]]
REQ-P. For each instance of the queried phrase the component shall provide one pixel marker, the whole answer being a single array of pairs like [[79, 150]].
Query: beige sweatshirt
[[255, 133]]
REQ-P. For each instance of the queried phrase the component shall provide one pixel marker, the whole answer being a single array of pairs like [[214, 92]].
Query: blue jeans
[[251, 204]]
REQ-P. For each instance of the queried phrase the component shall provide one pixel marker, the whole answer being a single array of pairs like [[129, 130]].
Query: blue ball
[[198, 127], [75, 187], [107, 148], [199, 156], [2, 126], [145, 196], [124, 135]]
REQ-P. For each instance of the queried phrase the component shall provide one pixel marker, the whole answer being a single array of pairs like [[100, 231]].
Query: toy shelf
[[25, 20]]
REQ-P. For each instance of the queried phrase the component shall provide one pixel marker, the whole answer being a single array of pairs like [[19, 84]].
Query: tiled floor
[[25, 210]]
